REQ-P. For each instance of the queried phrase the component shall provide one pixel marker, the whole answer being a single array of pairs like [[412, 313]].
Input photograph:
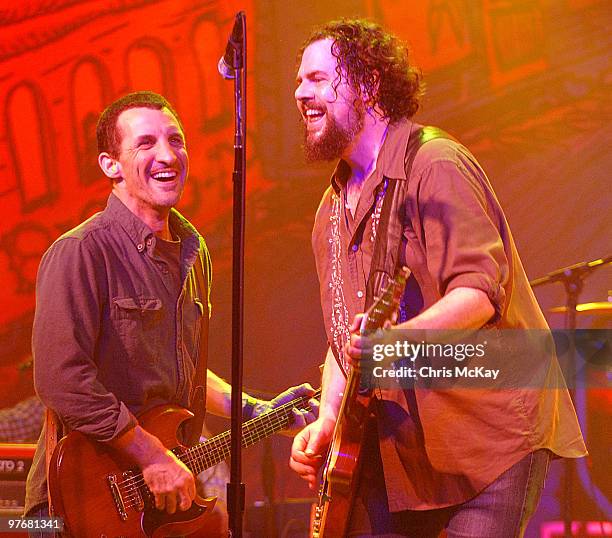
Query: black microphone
[[232, 59]]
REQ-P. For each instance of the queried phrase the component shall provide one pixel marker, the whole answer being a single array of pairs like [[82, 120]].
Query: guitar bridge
[[114, 487]]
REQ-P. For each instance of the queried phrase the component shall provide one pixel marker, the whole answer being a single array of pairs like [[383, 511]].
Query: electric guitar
[[99, 493], [338, 487]]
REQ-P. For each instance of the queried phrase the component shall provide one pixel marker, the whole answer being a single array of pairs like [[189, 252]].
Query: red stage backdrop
[[61, 63], [525, 84]]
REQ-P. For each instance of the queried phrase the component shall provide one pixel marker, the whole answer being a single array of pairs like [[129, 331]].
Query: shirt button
[[355, 247], [140, 247], [360, 294]]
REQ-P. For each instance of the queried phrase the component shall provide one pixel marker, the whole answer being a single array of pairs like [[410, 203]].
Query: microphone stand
[[235, 488], [572, 278]]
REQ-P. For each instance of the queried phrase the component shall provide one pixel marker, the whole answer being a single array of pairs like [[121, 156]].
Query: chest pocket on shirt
[[131, 307], [138, 321]]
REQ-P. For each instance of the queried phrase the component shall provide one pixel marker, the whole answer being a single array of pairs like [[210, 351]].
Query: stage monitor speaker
[[15, 463]]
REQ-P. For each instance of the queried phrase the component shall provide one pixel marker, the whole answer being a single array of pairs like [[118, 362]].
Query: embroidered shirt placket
[[375, 218], [339, 316], [340, 323]]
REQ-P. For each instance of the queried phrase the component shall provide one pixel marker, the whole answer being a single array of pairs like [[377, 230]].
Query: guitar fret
[[218, 448]]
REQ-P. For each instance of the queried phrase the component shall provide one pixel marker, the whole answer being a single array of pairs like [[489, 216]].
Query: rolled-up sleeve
[[69, 295], [461, 224]]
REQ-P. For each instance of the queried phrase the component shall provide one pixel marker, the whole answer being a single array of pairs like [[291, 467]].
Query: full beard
[[334, 139]]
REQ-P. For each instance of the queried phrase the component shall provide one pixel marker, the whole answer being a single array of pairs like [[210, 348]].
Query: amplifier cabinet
[[15, 463]]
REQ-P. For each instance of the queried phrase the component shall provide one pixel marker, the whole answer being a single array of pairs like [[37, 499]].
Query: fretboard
[[217, 448]]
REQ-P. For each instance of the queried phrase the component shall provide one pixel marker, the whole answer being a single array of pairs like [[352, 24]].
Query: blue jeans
[[40, 510], [502, 509]]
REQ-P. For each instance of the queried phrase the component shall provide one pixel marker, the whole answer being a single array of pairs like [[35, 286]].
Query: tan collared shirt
[[440, 448]]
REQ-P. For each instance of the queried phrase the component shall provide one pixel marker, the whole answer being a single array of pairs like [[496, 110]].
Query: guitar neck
[[217, 448]]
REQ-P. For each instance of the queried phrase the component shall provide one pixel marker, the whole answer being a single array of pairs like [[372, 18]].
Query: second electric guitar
[[338, 487]]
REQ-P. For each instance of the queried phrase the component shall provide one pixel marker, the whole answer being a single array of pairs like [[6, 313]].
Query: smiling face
[[333, 113], [152, 165]]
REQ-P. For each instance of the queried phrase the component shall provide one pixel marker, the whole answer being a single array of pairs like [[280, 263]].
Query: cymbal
[[602, 308]]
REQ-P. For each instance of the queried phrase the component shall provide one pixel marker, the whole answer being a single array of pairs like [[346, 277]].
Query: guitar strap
[[193, 429], [52, 430], [388, 245]]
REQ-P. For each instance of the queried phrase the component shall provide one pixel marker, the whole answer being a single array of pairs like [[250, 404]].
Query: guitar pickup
[[136, 500]]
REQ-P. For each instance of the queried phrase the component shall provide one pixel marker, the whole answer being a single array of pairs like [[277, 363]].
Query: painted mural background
[[525, 84]]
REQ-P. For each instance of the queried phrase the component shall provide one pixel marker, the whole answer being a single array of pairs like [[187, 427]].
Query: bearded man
[[472, 462]]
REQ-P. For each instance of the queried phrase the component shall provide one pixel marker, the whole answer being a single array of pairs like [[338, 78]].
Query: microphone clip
[[233, 59]]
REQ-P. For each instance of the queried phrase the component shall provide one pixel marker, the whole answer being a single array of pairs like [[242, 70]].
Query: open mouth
[[313, 115], [164, 175]]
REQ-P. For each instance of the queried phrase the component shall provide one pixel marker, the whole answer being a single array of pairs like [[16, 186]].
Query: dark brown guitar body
[[81, 480], [338, 489], [332, 514]]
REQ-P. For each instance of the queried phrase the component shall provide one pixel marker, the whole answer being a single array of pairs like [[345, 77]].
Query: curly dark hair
[[107, 134], [375, 63]]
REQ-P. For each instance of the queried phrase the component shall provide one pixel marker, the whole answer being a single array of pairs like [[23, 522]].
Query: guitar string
[[252, 432], [277, 418], [389, 298], [277, 423], [220, 442], [190, 457]]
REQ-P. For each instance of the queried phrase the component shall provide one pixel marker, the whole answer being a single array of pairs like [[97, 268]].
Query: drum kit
[[592, 406], [573, 278], [597, 315], [599, 309]]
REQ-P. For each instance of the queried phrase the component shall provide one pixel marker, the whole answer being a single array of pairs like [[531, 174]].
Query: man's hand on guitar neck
[[219, 399], [301, 417], [309, 448], [169, 479]]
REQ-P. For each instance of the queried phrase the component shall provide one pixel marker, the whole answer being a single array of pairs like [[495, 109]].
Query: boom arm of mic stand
[[572, 272]]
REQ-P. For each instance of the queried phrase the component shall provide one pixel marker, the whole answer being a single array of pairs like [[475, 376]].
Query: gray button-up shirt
[[111, 338]]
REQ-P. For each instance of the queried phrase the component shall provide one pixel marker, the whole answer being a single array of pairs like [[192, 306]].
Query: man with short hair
[[470, 461], [122, 301]]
